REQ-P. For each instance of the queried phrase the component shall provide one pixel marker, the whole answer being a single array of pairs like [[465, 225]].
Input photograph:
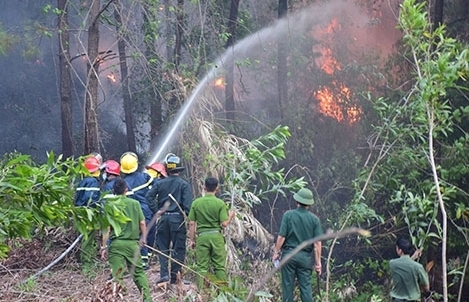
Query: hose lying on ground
[[55, 261]]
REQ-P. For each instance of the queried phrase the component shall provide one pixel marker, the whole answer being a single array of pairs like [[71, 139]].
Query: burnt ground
[[64, 281]]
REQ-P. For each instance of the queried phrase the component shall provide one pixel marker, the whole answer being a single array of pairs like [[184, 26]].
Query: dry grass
[[65, 281]]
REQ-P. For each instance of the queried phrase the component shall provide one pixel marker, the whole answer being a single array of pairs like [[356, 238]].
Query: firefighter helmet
[[112, 167], [92, 164], [168, 156], [98, 156], [129, 162], [158, 167], [173, 164]]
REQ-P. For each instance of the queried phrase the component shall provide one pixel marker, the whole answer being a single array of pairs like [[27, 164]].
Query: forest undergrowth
[[65, 281]]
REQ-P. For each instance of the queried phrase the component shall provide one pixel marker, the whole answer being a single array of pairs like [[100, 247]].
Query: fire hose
[[55, 261]]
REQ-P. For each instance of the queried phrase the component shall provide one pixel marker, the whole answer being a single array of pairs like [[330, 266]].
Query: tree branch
[[304, 244]]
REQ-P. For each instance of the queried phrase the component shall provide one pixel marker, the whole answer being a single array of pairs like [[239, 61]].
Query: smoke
[[30, 96]]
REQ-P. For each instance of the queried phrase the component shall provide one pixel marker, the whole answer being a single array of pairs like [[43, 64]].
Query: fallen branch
[[304, 244]]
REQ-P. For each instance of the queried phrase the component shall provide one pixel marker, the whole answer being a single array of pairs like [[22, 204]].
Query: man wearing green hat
[[297, 226]]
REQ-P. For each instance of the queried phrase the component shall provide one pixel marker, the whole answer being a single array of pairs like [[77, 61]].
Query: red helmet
[[158, 167], [92, 164], [112, 167]]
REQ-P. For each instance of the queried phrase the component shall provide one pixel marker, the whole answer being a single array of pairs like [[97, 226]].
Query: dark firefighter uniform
[[171, 227], [139, 182], [87, 195]]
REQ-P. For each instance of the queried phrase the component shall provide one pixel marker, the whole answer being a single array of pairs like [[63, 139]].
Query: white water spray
[[182, 114], [294, 25]]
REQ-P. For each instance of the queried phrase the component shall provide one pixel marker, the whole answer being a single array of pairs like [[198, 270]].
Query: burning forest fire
[[219, 82], [112, 77], [333, 99], [333, 103]]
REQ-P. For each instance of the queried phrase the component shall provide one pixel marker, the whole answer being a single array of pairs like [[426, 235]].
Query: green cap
[[304, 196]]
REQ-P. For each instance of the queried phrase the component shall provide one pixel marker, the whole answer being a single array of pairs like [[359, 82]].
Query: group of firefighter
[[160, 180], [160, 194]]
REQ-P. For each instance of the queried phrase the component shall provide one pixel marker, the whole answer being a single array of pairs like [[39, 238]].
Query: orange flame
[[220, 82], [333, 100], [112, 77], [336, 104], [326, 61]]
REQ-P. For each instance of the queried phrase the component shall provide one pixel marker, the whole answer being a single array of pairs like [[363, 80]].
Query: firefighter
[[157, 171], [139, 182], [87, 195], [111, 172], [171, 228]]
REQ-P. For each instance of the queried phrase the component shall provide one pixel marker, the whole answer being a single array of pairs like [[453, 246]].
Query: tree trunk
[[229, 78], [437, 13], [282, 72], [179, 32], [129, 122], [155, 63], [91, 143], [65, 80]]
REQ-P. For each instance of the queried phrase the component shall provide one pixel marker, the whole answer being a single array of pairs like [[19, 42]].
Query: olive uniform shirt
[[209, 212], [297, 226], [407, 277]]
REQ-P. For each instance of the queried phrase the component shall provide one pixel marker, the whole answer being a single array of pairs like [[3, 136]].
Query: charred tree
[[91, 142], [129, 122], [229, 78], [65, 80], [282, 79]]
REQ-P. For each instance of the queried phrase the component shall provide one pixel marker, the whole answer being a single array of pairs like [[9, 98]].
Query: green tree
[[419, 135], [39, 196]]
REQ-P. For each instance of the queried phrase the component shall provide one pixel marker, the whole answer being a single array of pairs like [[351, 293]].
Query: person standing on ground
[[408, 276], [174, 195], [87, 194], [123, 251], [157, 171], [296, 227], [207, 217], [140, 183]]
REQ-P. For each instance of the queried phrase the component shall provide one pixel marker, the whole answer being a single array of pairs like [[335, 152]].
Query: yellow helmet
[[129, 162]]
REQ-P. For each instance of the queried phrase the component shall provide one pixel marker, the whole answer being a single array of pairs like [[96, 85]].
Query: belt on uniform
[[123, 239], [289, 248], [209, 232], [172, 213]]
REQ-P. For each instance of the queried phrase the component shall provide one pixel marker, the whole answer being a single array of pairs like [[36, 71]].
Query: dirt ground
[[65, 282]]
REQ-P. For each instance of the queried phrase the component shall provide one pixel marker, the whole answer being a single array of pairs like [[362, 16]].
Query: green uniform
[[407, 277], [297, 226], [209, 212], [124, 250]]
